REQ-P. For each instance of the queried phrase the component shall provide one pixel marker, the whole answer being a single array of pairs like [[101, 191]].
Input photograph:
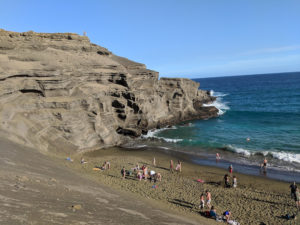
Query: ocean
[[259, 116]]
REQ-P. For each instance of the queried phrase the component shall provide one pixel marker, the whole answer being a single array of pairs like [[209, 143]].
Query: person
[[234, 182], [264, 165], [139, 175], [152, 174], [213, 213], [157, 177], [293, 187], [104, 166], [230, 170], [154, 162], [297, 198], [145, 172], [171, 166], [208, 198], [123, 172], [82, 161], [178, 166], [227, 215], [137, 167], [202, 203], [217, 157], [108, 165], [226, 181]]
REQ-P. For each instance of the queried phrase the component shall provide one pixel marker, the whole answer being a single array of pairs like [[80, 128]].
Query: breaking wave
[[218, 103]]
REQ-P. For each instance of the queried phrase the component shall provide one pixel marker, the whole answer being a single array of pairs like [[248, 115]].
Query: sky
[[178, 38]]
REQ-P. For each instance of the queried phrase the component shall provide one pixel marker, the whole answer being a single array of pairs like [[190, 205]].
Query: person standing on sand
[[208, 198], [154, 162], [297, 198], [123, 172], [178, 166], [230, 170], [202, 203], [293, 187], [171, 166], [234, 182], [145, 172]]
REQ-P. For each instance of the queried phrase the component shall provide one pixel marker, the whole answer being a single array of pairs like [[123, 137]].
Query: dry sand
[[256, 200]]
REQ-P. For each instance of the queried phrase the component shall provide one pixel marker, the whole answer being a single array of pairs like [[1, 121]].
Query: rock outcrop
[[59, 91]]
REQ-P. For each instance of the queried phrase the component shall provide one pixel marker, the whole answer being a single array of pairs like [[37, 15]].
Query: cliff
[[59, 91]]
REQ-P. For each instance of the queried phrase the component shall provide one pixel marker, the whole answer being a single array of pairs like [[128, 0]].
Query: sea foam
[[218, 103], [153, 133]]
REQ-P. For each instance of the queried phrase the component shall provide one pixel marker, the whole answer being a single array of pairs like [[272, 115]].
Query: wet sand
[[256, 200]]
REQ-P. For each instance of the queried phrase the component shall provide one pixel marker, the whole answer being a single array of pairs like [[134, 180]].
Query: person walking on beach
[[208, 198], [154, 162], [171, 166], [297, 198], [145, 172]]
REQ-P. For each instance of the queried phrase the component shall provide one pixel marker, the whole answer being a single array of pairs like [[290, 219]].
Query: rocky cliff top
[[59, 91]]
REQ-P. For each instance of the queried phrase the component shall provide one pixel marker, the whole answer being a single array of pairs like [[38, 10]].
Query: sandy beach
[[256, 200]]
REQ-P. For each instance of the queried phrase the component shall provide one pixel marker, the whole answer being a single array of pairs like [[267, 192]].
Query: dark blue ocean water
[[265, 109]]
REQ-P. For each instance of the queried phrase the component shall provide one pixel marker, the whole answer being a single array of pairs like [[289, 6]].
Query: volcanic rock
[[59, 91]]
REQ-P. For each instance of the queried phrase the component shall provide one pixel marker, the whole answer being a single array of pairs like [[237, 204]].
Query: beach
[[256, 200]]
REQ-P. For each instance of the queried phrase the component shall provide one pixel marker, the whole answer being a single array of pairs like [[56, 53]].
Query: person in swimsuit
[[264, 165], [227, 215], [202, 203], [123, 172], [230, 170], [145, 173], [154, 161], [217, 157], [208, 198]]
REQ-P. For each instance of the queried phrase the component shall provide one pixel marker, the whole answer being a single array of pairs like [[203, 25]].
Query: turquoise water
[[265, 109]]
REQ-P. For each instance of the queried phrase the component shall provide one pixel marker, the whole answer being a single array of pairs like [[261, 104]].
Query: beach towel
[[96, 169], [200, 181]]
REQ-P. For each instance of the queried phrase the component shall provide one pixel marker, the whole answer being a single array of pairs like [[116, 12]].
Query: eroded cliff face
[[59, 91]]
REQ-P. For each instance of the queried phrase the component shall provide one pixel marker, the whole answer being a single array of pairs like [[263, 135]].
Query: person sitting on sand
[[152, 174], [213, 213], [293, 187], [208, 198], [108, 165], [123, 172], [227, 215], [137, 167], [104, 166], [202, 203], [157, 177], [139, 175], [171, 166], [234, 182], [82, 161], [226, 181]]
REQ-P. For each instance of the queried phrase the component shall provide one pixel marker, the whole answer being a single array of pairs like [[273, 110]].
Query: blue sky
[[187, 38]]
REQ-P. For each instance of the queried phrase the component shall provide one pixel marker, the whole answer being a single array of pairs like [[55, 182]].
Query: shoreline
[[255, 200], [240, 163]]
